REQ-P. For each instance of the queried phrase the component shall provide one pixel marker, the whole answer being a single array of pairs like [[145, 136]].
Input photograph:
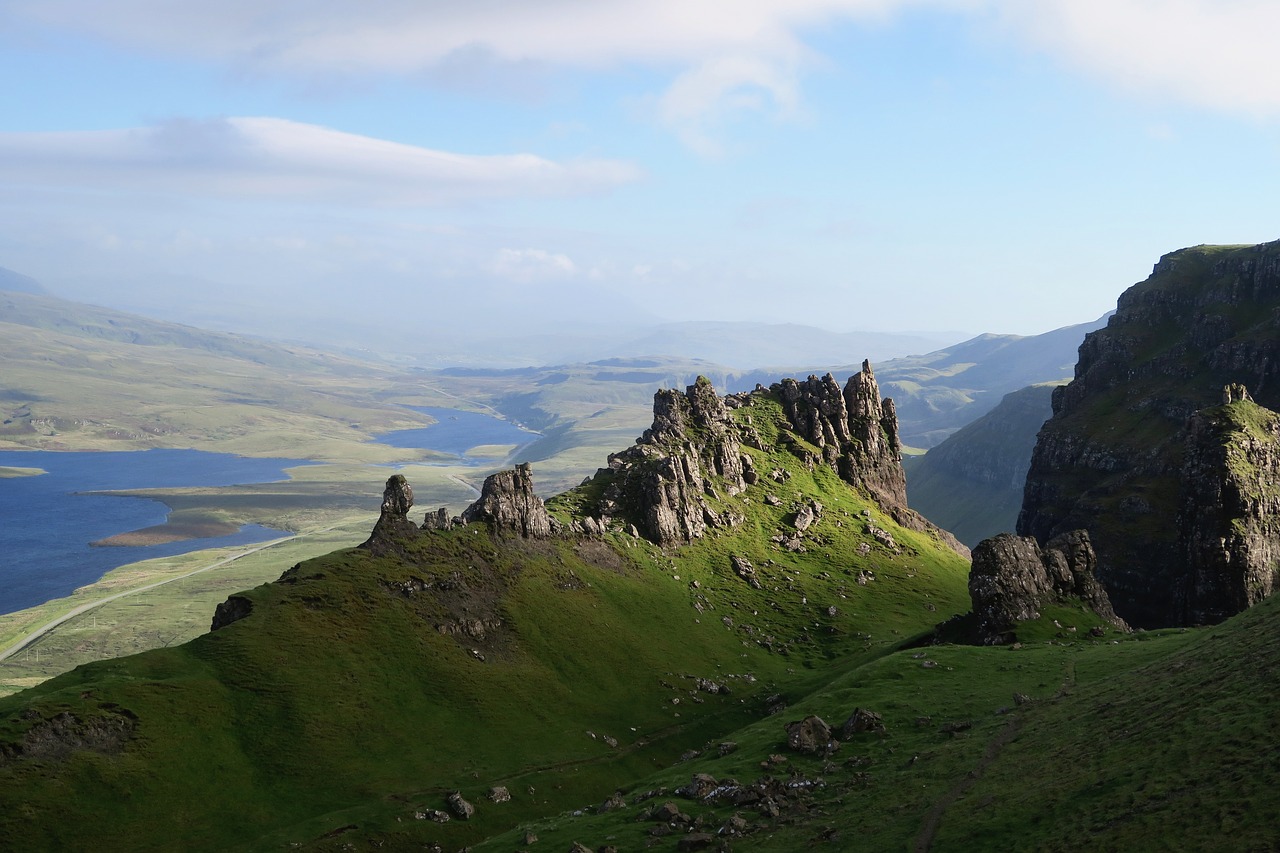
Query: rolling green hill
[[608, 691], [361, 689]]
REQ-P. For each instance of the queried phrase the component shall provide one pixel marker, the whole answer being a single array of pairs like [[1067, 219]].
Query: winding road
[[48, 627]]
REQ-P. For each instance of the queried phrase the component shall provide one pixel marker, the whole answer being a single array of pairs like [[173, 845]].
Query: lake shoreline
[[162, 534]]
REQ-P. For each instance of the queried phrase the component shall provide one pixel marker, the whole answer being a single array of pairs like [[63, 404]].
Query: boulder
[[811, 736], [1013, 578]]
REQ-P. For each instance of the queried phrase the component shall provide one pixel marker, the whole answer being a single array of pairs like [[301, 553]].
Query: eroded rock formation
[[507, 501], [857, 433], [1013, 578], [663, 482], [1229, 521], [856, 430], [393, 526]]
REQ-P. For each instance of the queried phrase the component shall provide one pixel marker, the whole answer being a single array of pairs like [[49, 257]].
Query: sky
[[515, 165]]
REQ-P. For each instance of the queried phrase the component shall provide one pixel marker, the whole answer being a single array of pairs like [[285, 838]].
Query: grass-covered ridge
[[592, 678], [361, 690]]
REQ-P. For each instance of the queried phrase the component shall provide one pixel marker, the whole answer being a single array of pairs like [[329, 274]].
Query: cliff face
[[1229, 522], [1114, 459]]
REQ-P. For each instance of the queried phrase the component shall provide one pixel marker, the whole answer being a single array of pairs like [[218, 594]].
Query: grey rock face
[[1122, 457], [857, 433], [862, 720], [856, 430], [1229, 521], [393, 526], [508, 503], [397, 498], [233, 609], [1013, 578], [460, 807], [811, 736], [438, 520], [662, 482]]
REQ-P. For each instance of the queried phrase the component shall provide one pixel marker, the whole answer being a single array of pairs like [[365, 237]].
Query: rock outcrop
[[507, 501], [855, 429], [1013, 578], [393, 526], [235, 608], [675, 484], [1229, 521], [1119, 459], [857, 434], [662, 483]]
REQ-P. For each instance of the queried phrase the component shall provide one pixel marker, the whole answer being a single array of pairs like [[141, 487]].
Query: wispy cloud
[[271, 158], [530, 265], [726, 56], [1218, 54]]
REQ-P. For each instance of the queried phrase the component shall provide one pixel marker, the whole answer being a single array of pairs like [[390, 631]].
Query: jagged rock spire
[[393, 523], [661, 483], [856, 430], [508, 502]]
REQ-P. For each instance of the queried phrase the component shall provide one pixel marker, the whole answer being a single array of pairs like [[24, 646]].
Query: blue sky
[[970, 165]]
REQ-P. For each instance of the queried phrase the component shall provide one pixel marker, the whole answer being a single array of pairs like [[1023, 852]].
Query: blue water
[[455, 432], [46, 525]]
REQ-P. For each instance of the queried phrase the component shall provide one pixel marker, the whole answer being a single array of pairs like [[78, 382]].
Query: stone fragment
[[459, 806]]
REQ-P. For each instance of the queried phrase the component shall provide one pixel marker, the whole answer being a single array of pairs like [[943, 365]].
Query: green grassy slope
[[339, 700], [1159, 741], [360, 691]]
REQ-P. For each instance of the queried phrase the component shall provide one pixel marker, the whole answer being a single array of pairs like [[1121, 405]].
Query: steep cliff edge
[[1229, 522], [1114, 458]]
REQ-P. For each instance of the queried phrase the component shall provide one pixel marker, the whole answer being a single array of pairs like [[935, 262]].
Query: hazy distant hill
[[18, 283], [36, 310], [765, 344], [971, 484], [938, 393]]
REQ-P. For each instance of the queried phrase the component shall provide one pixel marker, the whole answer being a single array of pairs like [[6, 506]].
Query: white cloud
[[271, 158], [530, 265], [723, 56], [732, 52], [1219, 54]]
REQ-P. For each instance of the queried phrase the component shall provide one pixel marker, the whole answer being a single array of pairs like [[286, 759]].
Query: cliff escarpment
[[1229, 521], [1127, 458]]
